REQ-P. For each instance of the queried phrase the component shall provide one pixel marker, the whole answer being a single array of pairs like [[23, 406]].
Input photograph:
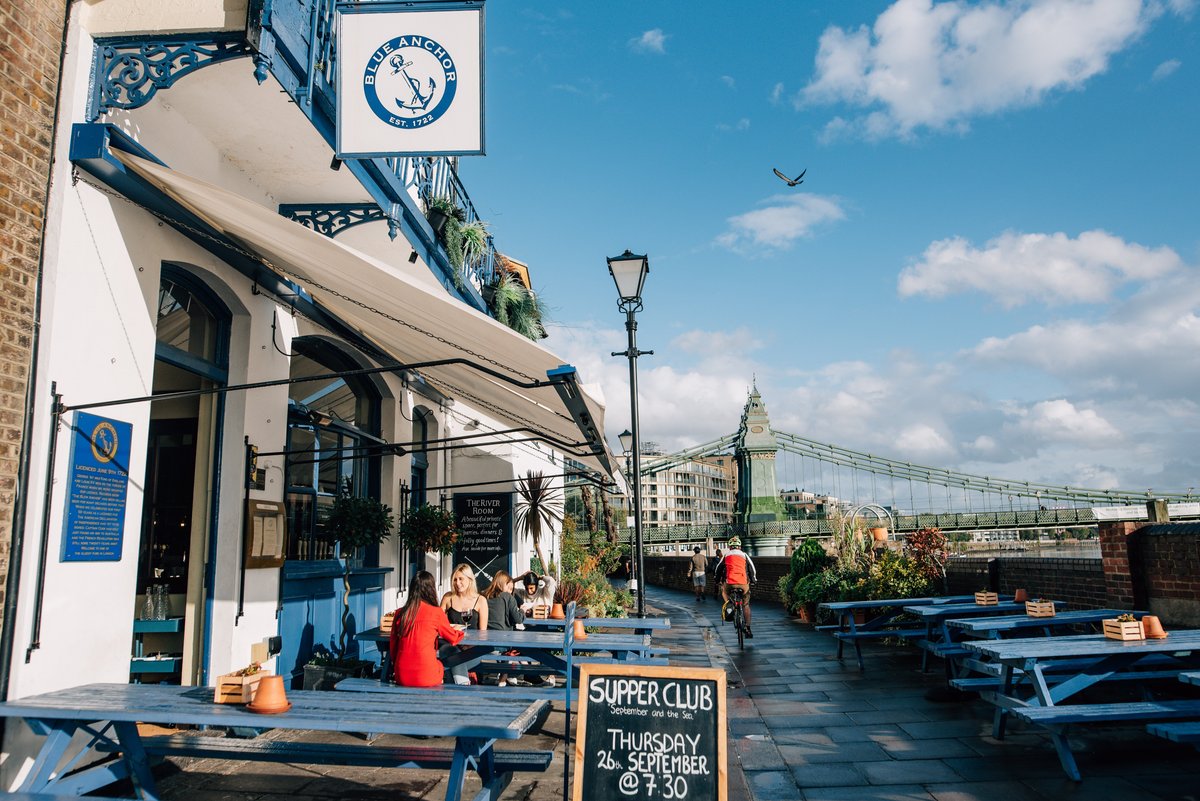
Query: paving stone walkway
[[803, 726]]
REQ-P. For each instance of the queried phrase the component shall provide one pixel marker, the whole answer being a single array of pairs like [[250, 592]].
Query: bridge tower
[[758, 495]]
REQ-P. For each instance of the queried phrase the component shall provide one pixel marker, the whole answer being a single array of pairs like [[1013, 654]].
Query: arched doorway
[[191, 353]]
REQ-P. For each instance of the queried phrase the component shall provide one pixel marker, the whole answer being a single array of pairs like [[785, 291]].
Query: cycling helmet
[[735, 542]]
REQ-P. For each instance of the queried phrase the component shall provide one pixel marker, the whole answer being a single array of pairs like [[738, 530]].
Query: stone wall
[[30, 49]]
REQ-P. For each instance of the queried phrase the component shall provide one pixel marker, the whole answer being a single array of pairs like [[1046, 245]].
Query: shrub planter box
[[987, 598], [1039, 608], [233, 689], [1123, 629]]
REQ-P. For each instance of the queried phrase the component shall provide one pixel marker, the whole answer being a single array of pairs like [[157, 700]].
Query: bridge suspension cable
[[967, 482]]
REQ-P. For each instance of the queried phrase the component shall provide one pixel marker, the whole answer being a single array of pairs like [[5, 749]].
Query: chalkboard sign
[[650, 732], [486, 528]]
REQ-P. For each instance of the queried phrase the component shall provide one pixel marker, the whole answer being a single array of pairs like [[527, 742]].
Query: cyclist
[[738, 571]]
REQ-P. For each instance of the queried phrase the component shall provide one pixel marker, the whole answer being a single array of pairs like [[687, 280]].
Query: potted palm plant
[[539, 509]]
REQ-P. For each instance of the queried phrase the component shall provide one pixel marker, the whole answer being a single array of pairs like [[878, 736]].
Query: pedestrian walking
[[699, 568]]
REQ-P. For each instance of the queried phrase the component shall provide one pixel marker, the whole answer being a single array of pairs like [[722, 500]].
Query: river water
[[1089, 549]]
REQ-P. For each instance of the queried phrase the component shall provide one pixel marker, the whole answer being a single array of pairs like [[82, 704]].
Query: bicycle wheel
[[739, 624]]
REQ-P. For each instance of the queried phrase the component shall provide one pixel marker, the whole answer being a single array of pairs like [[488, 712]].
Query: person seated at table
[[504, 613], [415, 632], [464, 606], [539, 591]]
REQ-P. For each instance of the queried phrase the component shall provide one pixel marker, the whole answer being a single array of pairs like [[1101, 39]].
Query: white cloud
[[1061, 420], [923, 442], [1049, 268], [729, 81], [936, 65], [776, 94], [780, 222], [738, 342], [1150, 343], [743, 124], [652, 41], [1166, 69]]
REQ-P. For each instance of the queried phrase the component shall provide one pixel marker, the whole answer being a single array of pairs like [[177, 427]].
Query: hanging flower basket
[[429, 529]]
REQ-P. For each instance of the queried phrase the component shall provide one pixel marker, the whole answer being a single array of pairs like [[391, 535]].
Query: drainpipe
[[12, 586]]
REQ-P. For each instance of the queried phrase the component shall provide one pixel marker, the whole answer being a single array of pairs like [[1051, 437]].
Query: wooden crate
[[1039, 608], [232, 689], [1123, 630], [540, 612], [987, 598], [385, 623]]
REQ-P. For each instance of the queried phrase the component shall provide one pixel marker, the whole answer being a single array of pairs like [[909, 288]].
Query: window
[[332, 425]]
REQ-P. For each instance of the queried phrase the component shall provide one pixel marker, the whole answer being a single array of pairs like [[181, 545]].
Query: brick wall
[[672, 571], [30, 48], [1168, 570]]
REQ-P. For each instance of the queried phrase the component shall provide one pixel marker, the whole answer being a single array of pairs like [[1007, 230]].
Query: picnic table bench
[[1098, 659], [936, 638], [995, 628], [640, 625], [110, 714], [1185, 732], [882, 623]]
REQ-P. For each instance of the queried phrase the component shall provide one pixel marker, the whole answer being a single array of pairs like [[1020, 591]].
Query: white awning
[[405, 318]]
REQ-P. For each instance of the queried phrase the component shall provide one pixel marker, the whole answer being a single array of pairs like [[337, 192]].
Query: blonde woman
[[465, 607]]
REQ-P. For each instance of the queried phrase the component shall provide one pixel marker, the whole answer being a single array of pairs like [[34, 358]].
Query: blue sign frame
[[97, 489]]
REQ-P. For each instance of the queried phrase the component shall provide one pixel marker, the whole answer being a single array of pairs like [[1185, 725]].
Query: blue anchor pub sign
[[410, 80]]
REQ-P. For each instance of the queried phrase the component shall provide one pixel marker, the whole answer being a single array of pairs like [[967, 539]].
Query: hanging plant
[[429, 529], [517, 307]]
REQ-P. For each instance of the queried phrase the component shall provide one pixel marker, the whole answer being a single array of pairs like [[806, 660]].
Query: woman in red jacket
[[415, 632]]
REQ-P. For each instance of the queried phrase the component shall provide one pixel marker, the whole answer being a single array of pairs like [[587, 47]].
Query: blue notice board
[[97, 486]]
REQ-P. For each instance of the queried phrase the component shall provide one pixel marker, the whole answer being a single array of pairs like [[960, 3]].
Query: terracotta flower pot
[[1020, 596], [271, 699], [1153, 627], [580, 631], [557, 612], [879, 533]]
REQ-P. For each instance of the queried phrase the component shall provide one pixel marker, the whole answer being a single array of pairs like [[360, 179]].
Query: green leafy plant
[[429, 529], [928, 548], [518, 308], [353, 523], [539, 508]]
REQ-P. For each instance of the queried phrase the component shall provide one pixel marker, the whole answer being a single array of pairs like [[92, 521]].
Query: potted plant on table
[[353, 523], [429, 529]]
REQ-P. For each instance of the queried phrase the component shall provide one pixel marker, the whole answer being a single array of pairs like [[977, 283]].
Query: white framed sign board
[[410, 80]]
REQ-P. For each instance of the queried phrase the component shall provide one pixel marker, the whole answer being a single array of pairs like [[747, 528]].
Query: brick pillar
[[30, 47], [1120, 588]]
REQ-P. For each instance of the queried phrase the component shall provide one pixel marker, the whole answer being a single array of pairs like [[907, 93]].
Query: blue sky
[[991, 264]]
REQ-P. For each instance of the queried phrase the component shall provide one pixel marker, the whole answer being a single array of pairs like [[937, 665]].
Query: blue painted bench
[[979, 684], [1188, 732], [1058, 718], [416, 756], [479, 690]]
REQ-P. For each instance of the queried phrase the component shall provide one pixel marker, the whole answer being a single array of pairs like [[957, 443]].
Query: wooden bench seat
[[416, 756], [1108, 713], [996, 683], [879, 634], [1188, 732], [484, 690]]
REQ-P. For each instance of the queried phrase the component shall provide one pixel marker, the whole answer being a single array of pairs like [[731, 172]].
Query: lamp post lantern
[[629, 272]]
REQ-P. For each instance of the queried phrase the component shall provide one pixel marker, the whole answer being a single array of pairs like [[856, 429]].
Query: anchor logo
[[410, 81]]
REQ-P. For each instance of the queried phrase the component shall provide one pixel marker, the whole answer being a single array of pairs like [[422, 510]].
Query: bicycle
[[737, 597]]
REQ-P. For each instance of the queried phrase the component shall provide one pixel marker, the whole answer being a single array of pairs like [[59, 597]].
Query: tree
[[354, 523], [539, 509]]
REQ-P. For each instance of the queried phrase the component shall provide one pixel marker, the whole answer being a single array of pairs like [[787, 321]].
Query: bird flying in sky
[[799, 179]]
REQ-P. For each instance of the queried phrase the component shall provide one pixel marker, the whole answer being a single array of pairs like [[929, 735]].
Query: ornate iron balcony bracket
[[126, 73], [331, 219]]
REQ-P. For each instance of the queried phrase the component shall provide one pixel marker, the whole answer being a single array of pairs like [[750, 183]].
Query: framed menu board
[[651, 732], [266, 534]]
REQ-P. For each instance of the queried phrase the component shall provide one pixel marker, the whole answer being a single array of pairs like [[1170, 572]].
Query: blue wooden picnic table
[[882, 622], [1190, 678], [109, 714], [640, 625], [996, 628], [934, 619], [1092, 658]]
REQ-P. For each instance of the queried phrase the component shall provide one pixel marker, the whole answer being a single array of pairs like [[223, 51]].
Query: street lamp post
[[629, 272], [626, 440]]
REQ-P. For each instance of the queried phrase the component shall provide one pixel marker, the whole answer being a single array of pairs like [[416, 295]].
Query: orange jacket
[[737, 566]]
